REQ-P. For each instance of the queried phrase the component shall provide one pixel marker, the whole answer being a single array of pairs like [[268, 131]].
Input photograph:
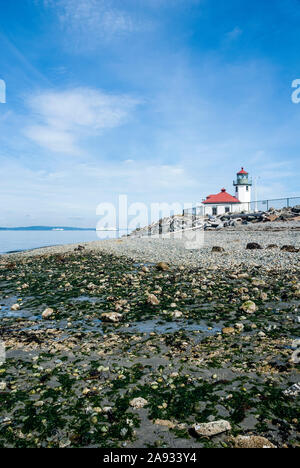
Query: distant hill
[[45, 228]]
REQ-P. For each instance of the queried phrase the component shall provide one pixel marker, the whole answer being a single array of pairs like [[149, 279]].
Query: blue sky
[[162, 100]]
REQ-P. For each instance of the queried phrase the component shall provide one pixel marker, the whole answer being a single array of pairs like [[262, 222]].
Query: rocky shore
[[285, 218], [147, 343]]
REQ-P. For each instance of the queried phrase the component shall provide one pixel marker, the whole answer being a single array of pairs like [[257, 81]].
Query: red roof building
[[222, 197]]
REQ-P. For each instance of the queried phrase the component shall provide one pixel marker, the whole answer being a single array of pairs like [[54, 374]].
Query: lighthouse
[[243, 188]]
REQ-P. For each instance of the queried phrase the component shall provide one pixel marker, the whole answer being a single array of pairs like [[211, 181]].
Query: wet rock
[[217, 249], [163, 266], [165, 423], [252, 442], [239, 326], [177, 314], [47, 313], [212, 428], [258, 283], [272, 246], [249, 307], [263, 296], [261, 334], [152, 299], [112, 317], [253, 246], [138, 403], [228, 331]]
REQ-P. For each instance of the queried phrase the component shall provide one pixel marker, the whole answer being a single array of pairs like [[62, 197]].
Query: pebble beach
[[149, 342]]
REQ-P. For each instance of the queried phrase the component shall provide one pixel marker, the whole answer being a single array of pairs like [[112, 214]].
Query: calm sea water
[[14, 241]]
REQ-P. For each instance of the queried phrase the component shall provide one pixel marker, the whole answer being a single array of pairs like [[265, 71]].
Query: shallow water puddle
[[6, 312], [156, 326], [90, 299]]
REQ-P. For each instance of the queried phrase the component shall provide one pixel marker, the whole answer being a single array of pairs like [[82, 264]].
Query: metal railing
[[254, 206], [276, 203]]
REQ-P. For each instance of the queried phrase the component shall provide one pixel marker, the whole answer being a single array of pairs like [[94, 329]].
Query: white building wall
[[221, 208], [243, 193]]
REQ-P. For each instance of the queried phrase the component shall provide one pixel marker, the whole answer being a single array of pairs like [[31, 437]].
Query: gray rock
[[212, 428], [252, 442]]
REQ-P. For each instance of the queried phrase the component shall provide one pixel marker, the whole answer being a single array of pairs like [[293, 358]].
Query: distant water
[[16, 241]]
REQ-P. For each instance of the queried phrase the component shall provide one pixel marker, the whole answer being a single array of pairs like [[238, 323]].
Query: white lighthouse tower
[[243, 188]]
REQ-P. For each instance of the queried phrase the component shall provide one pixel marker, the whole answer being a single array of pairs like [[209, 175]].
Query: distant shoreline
[[45, 228]]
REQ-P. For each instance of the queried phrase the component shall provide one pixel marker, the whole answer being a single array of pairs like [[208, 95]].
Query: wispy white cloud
[[60, 119], [52, 139], [93, 21]]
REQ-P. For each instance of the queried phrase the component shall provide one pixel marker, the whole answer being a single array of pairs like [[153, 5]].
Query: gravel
[[178, 251]]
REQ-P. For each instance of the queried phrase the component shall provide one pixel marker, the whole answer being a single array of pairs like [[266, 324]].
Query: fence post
[[160, 227], [194, 217]]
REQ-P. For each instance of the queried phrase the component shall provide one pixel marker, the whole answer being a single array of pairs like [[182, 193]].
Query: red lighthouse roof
[[222, 197], [242, 171]]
